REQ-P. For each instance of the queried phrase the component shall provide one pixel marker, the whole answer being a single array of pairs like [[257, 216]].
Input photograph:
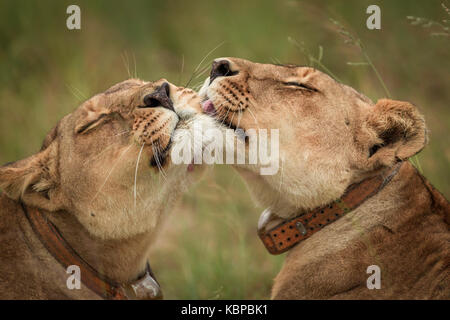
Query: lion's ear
[[91, 114], [398, 131], [33, 180]]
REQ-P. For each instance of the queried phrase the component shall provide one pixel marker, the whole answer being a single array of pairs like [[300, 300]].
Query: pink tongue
[[208, 107]]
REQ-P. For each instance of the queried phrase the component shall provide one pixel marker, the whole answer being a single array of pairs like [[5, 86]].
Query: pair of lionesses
[[105, 179]]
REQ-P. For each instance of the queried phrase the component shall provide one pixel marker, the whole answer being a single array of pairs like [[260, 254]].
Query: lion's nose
[[159, 98], [221, 68]]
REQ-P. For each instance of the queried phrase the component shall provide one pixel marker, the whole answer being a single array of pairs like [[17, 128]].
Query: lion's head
[[108, 161], [329, 134]]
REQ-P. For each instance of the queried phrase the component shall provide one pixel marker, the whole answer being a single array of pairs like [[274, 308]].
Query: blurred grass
[[209, 249]]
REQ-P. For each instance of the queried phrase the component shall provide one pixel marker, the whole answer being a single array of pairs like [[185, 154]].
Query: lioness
[[345, 202], [89, 203]]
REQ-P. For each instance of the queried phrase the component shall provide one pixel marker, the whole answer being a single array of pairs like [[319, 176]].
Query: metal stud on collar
[[300, 227]]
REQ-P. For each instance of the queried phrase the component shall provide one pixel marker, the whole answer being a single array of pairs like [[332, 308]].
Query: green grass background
[[208, 248]]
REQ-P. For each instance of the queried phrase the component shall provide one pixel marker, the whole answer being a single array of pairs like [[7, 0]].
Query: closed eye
[[300, 85], [98, 122], [91, 124]]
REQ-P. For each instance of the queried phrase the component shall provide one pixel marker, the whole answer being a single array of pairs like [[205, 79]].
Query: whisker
[[196, 87], [135, 174], [164, 133], [72, 90], [106, 148], [204, 58], [126, 63], [119, 134], [239, 117], [80, 93], [98, 155], [135, 66], [232, 117], [225, 117], [110, 172], [158, 164], [281, 180], [248, 109], [182, 69], [275, 60], [202, 71]]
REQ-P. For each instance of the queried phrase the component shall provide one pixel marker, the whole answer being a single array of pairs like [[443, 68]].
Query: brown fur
[[409, 241], [84, 179], [331, 136]]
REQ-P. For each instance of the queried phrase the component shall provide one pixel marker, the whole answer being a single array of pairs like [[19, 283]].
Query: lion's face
[[329, 134], [109, 162]]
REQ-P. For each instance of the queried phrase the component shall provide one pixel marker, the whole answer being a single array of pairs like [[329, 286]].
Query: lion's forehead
[[305, 74], [120, 94]]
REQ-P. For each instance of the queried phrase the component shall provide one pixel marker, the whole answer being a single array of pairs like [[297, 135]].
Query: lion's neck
[[120, 260], [397, 229], [390, 204], [407, 196]]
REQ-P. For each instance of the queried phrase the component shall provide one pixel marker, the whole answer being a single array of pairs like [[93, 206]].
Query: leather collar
[[145, 287], [291, 232]]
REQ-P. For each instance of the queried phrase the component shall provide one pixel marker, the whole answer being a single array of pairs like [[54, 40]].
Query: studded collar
[[289, 233], [145, 287]]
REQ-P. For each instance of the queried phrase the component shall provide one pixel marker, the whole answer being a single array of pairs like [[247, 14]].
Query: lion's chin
[[190, 139]]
